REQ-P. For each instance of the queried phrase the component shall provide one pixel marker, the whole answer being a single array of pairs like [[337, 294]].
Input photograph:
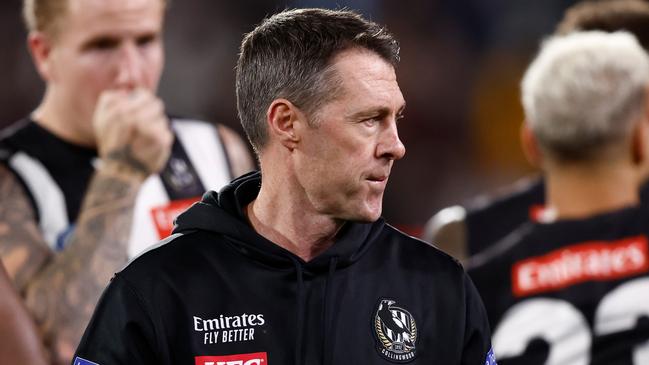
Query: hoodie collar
[[223, 213]]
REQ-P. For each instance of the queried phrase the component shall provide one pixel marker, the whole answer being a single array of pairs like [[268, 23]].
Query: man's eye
[[370, 122], [145, 40], [103, 44]]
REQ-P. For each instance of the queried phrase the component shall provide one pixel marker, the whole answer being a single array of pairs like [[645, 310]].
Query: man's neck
[[62, 121], [576, 193], [291, 225]]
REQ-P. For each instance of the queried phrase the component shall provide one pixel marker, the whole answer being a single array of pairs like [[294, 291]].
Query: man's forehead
[[368, 78], [109, 6], [99, 18], [360, 59]]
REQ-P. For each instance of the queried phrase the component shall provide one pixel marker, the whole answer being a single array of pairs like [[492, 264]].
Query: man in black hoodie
[[297, 267]]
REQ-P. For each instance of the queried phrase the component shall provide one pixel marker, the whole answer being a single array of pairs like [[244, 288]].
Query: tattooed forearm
[[125, 156], [65, 296], [61, 290]]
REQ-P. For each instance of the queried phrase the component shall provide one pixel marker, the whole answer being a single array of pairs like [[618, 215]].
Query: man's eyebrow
[[376, 111], [380, 111], [105, 40]]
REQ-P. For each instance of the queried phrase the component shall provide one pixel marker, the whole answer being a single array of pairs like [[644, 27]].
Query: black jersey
[[70, 166], [56, 174], [218, 293], [570, 292], [490, 219]]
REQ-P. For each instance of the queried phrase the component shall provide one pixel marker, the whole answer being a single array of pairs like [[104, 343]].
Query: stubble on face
[[344, 173]]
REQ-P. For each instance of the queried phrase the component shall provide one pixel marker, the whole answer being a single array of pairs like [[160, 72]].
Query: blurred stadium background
[[461, 64]]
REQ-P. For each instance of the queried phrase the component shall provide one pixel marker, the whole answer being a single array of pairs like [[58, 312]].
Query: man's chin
[[368, 216]]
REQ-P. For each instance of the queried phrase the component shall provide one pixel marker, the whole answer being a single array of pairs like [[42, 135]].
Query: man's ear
[[640, 141], [282, 117], [530, 146], [40, 47]]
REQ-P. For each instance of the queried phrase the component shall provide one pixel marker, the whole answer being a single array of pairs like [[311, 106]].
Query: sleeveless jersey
[[56, 174], [571, 292]]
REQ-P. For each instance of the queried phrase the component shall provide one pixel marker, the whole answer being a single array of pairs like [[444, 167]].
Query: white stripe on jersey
[[203, 147], [47, 194], [202, 144]]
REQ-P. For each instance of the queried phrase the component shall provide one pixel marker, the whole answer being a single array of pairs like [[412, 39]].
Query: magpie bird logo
[[396, 331]]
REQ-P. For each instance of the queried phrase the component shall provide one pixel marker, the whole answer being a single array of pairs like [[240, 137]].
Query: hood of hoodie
[[223, 213]]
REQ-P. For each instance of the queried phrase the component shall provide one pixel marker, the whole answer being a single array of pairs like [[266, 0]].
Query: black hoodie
[[218, 293]]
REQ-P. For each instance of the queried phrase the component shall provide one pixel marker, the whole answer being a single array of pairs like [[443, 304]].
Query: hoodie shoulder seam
[[427, 245], [154, 247]]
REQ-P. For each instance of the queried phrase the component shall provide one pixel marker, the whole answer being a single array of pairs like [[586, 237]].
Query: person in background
[[574, 288], [98, 165], [20, 341], [463, 231]]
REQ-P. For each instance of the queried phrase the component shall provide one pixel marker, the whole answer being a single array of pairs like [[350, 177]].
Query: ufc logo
[[257, 358]]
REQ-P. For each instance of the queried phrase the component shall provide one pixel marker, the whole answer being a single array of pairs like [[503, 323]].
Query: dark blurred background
[[461, 64]]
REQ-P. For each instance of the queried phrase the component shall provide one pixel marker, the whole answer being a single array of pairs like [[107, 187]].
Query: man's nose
[[129, 67], [390, 146]]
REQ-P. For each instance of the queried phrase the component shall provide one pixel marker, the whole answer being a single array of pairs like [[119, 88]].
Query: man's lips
[[379, 178]]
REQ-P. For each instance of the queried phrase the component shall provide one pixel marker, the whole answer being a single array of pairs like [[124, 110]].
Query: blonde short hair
[[584, 91]]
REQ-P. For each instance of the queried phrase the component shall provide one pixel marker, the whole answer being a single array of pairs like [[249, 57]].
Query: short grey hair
[[584, 90]]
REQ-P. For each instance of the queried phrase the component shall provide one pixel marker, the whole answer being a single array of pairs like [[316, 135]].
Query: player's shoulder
[[540, 238], [505, 248], [449, 216], [192, 125], [447, 230], [521, 194], [199, 135], [13, 134]]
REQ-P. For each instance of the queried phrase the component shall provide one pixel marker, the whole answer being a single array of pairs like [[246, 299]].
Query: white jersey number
[[566, 330]]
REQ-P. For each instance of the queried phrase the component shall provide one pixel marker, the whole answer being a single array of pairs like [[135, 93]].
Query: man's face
[[105, 44], [344, 162]]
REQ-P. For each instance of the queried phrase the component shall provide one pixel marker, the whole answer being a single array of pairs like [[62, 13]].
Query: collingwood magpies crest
[[396, 331]]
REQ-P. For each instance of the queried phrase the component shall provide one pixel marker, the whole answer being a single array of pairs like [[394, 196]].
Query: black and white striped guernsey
[[56, 174]]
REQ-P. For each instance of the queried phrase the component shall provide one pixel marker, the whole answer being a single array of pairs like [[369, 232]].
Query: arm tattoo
[[22, 248], [63, 293], [125, 155]]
